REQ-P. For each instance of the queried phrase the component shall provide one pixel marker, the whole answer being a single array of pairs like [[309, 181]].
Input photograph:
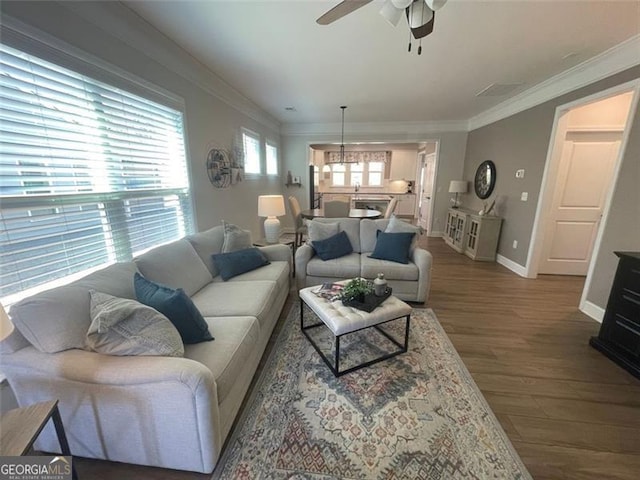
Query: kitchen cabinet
[[403, 166], [406, 206]]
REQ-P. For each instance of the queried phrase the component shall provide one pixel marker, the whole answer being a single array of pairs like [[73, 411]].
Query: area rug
[[415, 416]]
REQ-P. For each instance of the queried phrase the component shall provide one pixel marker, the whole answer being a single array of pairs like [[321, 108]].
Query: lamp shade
[[6, 327], [270, 205], [458, 186]]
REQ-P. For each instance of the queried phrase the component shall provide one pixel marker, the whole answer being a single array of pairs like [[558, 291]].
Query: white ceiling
[[275, 54]]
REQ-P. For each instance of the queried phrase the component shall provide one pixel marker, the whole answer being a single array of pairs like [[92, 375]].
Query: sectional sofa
[[151, 410]]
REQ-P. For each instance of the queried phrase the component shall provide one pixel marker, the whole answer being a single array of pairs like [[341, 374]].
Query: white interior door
[[584, 178], [426, 191]]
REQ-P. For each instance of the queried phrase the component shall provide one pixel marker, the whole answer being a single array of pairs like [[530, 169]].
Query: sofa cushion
[[176, 265], [236, 339], [318, 231], [254, 299], [241, 261], [176, 306], [351, 226], [235, 238], [206, 244], [393, 246], [369, 231], [274, 271], [343, 267], [58, 319], [335, 246], [121, 326], [370, 267]]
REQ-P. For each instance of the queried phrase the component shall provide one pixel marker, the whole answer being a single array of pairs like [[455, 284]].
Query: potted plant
[[355, 290]]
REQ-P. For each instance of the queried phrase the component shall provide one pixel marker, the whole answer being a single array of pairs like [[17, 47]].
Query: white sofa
[[163, 411], [410, 282]]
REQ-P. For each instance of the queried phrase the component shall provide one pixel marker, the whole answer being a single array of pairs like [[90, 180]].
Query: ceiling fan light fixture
[[436, 4], [419, 14], [391, 13], [401, 4]]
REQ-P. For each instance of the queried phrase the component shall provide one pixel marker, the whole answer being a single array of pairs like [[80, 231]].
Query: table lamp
[[271, 206], [457, 186]]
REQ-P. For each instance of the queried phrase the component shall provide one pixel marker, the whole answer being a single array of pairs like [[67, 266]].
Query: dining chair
[[391, 207], [300, 227], [336, 209]]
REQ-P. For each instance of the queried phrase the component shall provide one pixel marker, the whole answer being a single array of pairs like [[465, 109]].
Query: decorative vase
[[380, 285]]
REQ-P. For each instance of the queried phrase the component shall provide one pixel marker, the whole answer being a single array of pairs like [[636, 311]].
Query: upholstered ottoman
[[343, 320]]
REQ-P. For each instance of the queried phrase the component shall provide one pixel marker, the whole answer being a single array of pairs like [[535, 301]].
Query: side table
[[262, 242], [20, 427]]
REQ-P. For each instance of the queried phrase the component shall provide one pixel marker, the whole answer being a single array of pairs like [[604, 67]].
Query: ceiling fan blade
[[343, 8]]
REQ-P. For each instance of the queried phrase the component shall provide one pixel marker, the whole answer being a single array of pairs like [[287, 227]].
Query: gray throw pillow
[[400, 226], [318, 231], [235, 238], [120, 326]]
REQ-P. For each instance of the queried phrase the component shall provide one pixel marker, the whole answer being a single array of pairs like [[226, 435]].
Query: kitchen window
[[369, 174]]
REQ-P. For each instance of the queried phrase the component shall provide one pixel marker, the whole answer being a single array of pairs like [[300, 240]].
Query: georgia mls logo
[[35, 468]]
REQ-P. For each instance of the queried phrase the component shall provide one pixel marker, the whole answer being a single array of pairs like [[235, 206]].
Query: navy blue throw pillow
[[240, 261], [393, 246], [176, 306], [336, 246]]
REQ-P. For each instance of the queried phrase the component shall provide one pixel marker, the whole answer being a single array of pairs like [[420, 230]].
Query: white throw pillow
[[120, 326], [235, 238], [321, 231], [400, 226]]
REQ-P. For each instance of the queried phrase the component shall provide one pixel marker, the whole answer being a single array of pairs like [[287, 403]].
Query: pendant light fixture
[[343, 107]]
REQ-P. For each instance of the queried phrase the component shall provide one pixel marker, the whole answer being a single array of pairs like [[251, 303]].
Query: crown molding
[[120, 21], [618, 58], [372, 128]]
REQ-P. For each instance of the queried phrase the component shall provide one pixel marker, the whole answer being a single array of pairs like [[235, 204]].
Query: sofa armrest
[[304, 253], [423, 260], [277, 253], [167, 407]]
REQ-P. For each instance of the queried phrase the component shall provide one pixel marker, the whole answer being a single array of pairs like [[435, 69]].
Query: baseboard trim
[[592, 310], [511, 265], [436, 234]]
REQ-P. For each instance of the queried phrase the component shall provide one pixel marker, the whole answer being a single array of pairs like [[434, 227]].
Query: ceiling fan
[[421, 14]]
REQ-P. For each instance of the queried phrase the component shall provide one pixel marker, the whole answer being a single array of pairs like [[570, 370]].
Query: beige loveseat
[[163, 411], [410, 282]]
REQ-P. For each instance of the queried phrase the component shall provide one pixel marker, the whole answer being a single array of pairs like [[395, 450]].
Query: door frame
[[549, 176], [436, 155]]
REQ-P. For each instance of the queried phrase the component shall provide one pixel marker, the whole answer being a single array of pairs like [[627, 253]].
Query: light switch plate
[[520, 173], [525, 196]]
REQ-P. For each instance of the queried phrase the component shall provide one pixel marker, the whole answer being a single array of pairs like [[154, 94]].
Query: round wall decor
[[218, 168], [485, 179]]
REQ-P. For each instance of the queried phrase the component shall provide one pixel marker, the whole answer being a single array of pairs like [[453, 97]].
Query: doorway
[[583, 161], [427, 180]]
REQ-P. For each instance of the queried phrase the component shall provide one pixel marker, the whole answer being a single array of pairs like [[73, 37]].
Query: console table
[[474, 235]]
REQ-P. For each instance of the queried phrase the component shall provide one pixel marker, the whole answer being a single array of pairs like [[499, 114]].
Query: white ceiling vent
[[498, 89]]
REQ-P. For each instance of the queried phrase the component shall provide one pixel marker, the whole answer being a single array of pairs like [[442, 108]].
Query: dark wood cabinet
[[619, 336]]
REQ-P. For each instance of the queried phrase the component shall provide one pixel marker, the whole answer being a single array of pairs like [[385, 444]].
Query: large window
[[272, 158], [368, 174], [90, 174], [251, 145]]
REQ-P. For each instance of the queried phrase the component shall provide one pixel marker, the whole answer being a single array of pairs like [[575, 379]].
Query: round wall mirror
[[485, 179]]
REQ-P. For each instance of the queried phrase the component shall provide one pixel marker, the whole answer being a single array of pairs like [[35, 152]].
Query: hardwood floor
[[570, 412]]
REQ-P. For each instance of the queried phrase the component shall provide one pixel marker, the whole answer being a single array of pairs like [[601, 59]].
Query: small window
[[356, 171], [376, 172], [338, 175], [272, 159], [251, 144]]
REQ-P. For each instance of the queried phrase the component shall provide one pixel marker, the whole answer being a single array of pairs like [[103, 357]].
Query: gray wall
[[295, 150], [209, 121], [522, 141], [622, 228]]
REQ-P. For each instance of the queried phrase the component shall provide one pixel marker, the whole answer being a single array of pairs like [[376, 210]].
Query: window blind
[[89, 173], [251, 144]]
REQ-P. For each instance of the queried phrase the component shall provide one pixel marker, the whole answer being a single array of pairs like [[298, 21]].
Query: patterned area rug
[[416, 416]]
